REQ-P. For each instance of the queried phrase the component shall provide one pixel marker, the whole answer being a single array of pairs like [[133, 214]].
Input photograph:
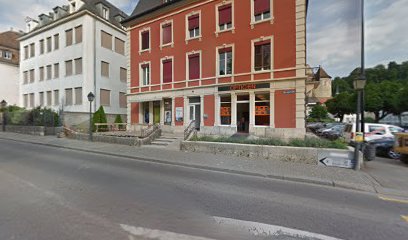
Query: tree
[[374, 101], [99, 117], [341, 105], [318, 112]]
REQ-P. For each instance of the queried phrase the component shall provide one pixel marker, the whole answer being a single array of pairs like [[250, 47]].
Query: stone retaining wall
[[33, 130], [130, 141]]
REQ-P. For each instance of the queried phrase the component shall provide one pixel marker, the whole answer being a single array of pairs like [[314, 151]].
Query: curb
[[314, 181]]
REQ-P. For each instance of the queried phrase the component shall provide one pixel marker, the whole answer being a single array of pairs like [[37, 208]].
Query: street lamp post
[[359, 85], [3, 106], [91, 98]]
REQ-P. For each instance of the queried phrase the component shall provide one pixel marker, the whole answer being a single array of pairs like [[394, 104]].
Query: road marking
[[158, 234], [393, 199], [266, 230], [405, 218]]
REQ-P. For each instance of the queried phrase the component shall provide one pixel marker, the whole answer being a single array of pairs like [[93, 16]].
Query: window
[[122, 100], [32, 77], [225, 110], [119, 46], [262, 109], [106, 40], [25, 77], [105, 69], [42, 46], [25, 99], [56, 41], [56, 70], [8, 55], [25, 52], [225, 61], [105, 97], [145, 40], [78, 34], [78, 66], [68, 68], [78, 96], [41, 73], [225, 17], [167, 37], [379, 130], [49, 44], [167, 66], [32, 50], [56, 97], [194, 66], [49, 72], [123, 74], [262, 56], [68, 37], [41, 99], [194, 26], [145, 71], [262, 10], [105, 12], [32, 100], [68, 96], [49, 98]]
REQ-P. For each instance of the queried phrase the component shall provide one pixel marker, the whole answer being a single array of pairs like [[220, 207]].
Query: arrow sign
[[333, 159]]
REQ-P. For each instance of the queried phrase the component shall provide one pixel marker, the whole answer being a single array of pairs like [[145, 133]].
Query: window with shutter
[[122, 100], [32, 77], [78, 66], [56, 97], [119, 46], [167, 71], [145, 40], [56, 70], [225, 17], [49, 72], [68, 37], [78, 96], [56, 41], [78, 34], [123, 74], [167, 37], [26, 52], [49, 44], [32, 50], [49, 98], [105, 97], [262, 9], [106, 40], [42, 46], [194, 66], [41, 73], [32, 103], [194, 26], [68, 68], [68, 96], [105, 69]]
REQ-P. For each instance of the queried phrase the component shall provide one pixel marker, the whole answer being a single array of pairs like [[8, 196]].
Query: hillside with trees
[[386, 91]]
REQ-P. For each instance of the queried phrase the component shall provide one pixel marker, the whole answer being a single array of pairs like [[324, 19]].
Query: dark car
[[385, 147], [334, 132]]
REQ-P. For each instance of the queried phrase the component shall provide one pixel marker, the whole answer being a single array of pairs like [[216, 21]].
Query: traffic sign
[[335, 159]]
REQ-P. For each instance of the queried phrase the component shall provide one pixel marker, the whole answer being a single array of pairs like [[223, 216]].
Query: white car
[[372, 131]]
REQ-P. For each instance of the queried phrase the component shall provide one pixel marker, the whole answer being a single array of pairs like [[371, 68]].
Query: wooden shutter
[[105, 97], [56, 41], [78, 66], [105, 69], [49, 44], [56, 97], [123, 74], [224, 50], [41, 73], [106, 40], [68, 37], [49, 72], [194, 66], [225, 14], [193, 22], [56, 70], [25, 52], [78, 96], [68, 68], [167, 71], [122, 100], [167, 38], [78, 34], [32, 79], [68, 96], [145, 40], [49, 98], [119, 46], [261, 6]]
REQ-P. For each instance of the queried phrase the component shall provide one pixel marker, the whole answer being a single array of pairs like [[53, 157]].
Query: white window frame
[[219, 108], [217, 17], [140, 40], [105, 12], [161, 34], [188, 38], [260, 101], [161, 69], [270, 18], [8, 55], [270, 38], [199, 52], [217, 66], [141, 75]]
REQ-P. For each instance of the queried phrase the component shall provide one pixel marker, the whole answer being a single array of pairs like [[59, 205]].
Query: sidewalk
[[335, 177]]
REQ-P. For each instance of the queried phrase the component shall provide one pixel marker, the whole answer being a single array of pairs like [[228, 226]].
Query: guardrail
[[189, 129]]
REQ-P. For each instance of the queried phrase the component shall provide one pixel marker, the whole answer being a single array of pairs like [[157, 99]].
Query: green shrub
[[99, 117]]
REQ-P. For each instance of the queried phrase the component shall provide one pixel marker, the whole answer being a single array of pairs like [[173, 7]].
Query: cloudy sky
[[333, 29]]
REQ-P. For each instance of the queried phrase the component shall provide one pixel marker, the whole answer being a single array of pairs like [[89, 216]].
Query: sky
[[333, 29]]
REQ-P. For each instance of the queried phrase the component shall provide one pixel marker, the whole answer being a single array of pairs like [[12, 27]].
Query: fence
[[35, 117]]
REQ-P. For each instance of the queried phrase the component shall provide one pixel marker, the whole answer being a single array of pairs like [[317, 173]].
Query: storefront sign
[[241, 87], [179, 114]]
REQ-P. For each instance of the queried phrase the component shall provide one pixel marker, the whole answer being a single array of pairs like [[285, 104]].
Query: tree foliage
[[99, 117], [319, 112]]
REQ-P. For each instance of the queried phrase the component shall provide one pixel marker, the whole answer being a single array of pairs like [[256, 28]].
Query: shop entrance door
[[243, 117], [156, 112], [195, 114]]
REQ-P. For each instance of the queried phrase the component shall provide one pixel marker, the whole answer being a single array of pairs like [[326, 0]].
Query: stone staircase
[[167, 141]]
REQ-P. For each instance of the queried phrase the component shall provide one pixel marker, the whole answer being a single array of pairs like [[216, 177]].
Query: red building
[[232, 66]]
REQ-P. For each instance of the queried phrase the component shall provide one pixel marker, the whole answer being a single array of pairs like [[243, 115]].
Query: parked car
[[372, 131], [401, 146], [328, 127], [385, 147]]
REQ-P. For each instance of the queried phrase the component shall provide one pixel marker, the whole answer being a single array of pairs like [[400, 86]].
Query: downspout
[[94, 62]]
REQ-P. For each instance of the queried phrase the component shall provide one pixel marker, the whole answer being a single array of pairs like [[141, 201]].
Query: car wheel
[[392, 154]]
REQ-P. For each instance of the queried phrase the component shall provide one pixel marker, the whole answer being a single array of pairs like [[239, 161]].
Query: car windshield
[[396, 130]]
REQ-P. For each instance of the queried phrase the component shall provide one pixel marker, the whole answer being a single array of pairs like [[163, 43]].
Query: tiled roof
[[147, 6], [9, 39]]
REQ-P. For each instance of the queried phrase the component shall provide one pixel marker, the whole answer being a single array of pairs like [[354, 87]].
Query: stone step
[[164, 140], [172, 138], [160, 143]]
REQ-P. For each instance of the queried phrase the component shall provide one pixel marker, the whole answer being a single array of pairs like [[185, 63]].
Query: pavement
[[50, 193], [306, 173]]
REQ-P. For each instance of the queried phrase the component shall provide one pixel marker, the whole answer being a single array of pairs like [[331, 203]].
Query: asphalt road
[[49, 193]]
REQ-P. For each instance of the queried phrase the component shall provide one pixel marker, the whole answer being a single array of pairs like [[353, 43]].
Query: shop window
[[262, 56], [225, 110], [167, 31], [194, 66], [225, 17], [167, 111], [146, 113], [167, 71], [262, 109], [262, 10], [225, 61], [194, 26]]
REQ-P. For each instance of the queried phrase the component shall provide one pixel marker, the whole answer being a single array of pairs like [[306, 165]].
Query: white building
[[75, 49], [9, 59]]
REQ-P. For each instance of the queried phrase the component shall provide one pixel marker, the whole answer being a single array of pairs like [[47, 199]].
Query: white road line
[[262, 229], [158, 234]]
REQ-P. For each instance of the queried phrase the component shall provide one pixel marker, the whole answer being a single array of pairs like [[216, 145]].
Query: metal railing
[[149, 131], [190, 128]]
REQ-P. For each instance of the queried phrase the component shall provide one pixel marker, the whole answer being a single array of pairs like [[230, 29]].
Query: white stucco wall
[[92, 54], [9, 83]]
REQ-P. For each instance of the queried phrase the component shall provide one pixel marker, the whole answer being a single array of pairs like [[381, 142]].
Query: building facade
[[231, 66], [9, 62], [76, 49]]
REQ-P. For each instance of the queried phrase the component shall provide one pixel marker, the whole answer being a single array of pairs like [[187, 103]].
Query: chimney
[[60, 12], [44, 19]]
